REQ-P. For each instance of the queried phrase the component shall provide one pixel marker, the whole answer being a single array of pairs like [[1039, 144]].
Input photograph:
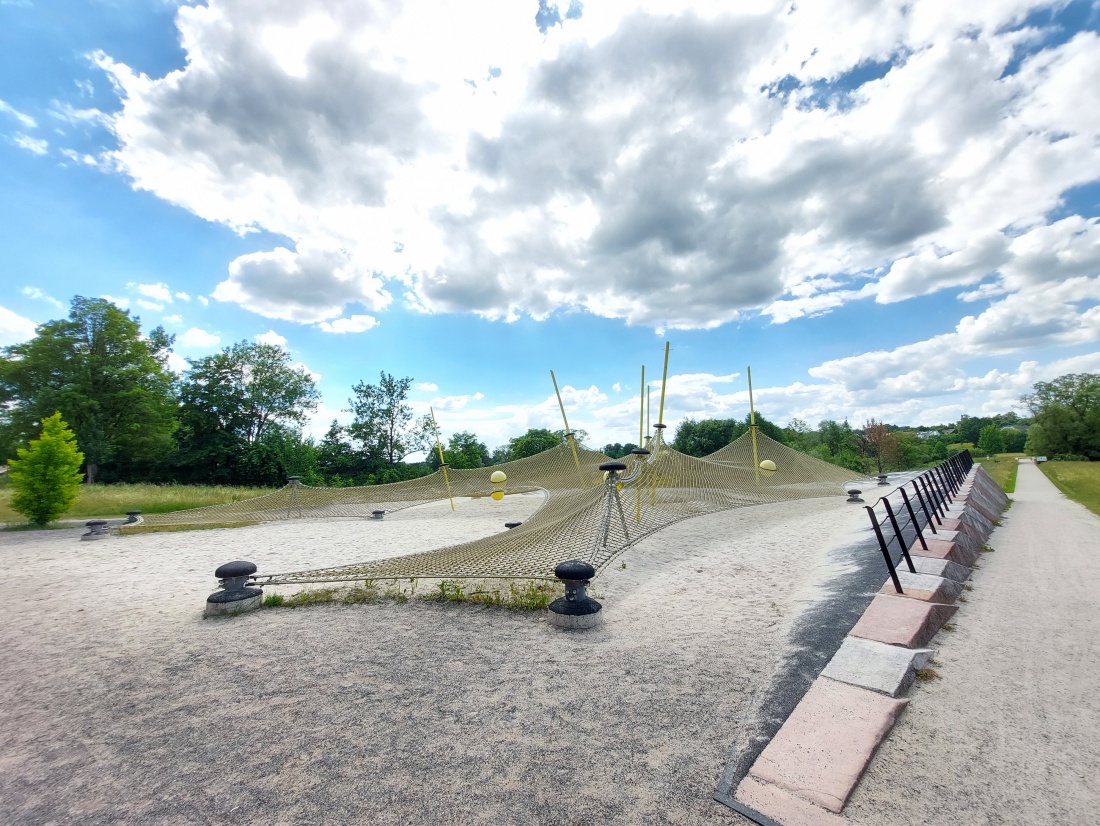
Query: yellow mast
[[442, 462], [568, 432], [752, 427]]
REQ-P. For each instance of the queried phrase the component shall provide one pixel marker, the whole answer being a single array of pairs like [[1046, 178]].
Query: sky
[[885, 209]]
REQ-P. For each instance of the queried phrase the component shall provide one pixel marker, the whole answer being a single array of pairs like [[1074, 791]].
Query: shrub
[[46, 474]]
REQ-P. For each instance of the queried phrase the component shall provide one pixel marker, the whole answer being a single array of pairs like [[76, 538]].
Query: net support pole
[[752, 427], [442, 462], [568, 432], [641, 411], [664, 382]]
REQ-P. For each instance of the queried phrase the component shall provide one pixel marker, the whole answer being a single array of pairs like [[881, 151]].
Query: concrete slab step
[[887, 669], [926, 587], [781, 806], [821, 751], [899, 621]]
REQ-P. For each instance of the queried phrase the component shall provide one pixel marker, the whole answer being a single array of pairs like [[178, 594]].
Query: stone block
[[887, 669], [899, 621]]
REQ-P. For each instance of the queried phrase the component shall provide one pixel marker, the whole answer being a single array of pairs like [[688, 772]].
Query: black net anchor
[[510, 525], [133, 518], [853, 496], [377, 515], [97, 529], [576, 609], [612, 500], [883, 479], [237, 595]]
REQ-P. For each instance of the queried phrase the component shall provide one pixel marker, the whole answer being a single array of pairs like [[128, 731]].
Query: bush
[[1068, 457], [46, 476]]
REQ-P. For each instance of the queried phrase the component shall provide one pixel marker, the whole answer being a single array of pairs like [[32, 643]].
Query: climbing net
[[589, 512]]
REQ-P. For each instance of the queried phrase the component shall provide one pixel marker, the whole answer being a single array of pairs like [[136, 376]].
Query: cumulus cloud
[[308, 286], [673, 165], [158, 292], [14, 328], [427, 386], [351, 324], [24, 120], [271, 337], [196, 339]]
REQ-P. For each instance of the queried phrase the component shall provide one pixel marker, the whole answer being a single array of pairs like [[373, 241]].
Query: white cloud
[[177, 363], [427, 386], [196, 339], [121, 303], [204, 300], [183, 296], [158, 292], [352, 324], [301, 366], [36, 146], [35, 292], [26, 121], [173, 319], [14, 328], [673, 165], [271, 337], [149, 305], [451, 403]]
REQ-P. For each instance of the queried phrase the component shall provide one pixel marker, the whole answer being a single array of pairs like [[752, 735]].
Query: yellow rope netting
[[583, 517]]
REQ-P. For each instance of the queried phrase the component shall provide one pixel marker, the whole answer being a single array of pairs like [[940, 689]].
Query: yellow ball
[[498, 476], [497, 495], [767, 464]]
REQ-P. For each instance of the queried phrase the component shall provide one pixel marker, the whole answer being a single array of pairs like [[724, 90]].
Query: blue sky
[[887, 210]]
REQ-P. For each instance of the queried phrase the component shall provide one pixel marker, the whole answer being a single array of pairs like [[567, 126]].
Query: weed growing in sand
[[948, 626], [319, 596], [962, 599], [986, 549], [623, 566], [927, 674], [968, 587], [274, 601]]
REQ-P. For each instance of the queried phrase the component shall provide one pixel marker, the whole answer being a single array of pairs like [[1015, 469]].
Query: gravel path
[[1010, 734]]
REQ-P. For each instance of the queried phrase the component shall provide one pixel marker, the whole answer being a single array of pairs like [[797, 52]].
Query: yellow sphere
[[767, 464], [498, 476], [497, 495]]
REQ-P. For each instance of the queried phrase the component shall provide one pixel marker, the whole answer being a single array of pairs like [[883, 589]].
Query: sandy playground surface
[[120, 704]]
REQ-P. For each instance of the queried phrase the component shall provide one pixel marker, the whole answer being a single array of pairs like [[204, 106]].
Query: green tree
[[991, 440], [384, 421], [701, 438], [1066, 413], [463, 451], [108, 382], [46, 476], [880, 445], [231, 402], [533, 442], [1014, 439]]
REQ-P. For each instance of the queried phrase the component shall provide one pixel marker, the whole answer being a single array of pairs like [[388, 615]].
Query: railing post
[[898, 534], [885, 550], [924, 507], [913, 519]]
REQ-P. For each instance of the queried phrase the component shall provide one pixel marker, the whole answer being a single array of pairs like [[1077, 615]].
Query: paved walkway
[[1010, 733]]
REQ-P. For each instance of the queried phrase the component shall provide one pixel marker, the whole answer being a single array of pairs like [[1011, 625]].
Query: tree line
[[235, 417]]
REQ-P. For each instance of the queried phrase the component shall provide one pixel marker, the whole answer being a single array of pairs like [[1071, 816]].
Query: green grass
[[1080, 481], [1002, 468], [115, 500], [521, 595]]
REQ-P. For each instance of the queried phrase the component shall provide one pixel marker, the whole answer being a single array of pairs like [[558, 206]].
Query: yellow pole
[[664, 381], [442, 461], [752, 427], [568, 432], [648, 409], [641, 412]]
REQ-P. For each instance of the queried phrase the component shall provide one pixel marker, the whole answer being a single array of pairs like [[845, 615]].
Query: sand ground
[[1010, 733], [120, 704]]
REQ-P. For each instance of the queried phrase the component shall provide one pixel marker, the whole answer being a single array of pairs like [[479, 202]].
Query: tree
[[615, 450], [384, 421], [230, 402], [108, 382], [880, 444], [701, 438], [1014, 439], [533, 442], [1067, 416], [46, 476], [463, 451], [991, 440]]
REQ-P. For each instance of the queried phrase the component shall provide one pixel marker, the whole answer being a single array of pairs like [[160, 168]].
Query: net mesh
[[587, 514]]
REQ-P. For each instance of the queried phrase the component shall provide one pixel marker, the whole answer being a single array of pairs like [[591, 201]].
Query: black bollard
[[97, 529], [576, 609], [236, 595]]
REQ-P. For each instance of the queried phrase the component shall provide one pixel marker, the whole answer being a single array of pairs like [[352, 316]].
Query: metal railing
[[905, 519]]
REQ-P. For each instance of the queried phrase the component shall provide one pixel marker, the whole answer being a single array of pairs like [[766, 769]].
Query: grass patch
[[1080, 481], [948, 626], [927, 674], [114, 500], [30, 526], [987, 550], [1002, 468], [520, 595]]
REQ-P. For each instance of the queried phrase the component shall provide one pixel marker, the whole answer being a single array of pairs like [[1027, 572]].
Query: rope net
[[587, 513]]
